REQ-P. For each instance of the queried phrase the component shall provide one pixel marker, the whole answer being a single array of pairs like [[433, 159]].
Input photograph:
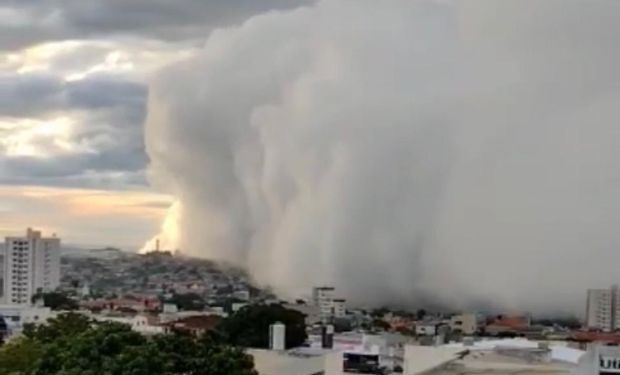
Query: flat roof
[[268, 362]]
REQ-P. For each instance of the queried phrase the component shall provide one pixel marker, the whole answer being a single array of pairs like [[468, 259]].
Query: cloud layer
[[462, 152], [59, 132], [30, 22], [86, 64]]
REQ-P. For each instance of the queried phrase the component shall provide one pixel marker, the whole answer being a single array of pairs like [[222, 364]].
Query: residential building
[[329, 306], [236, 306], [243, 295], [31, 265], [339, 308], [15, 316], [426, 328], [323, 295], [196, 325], [145, 324], [467, 324], [508, 324], [603, 309]]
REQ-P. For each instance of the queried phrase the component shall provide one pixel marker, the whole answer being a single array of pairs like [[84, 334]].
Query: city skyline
[[260, 187], [457, 153]]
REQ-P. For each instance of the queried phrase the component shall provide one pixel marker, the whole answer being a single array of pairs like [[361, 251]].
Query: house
[[466, 324], [196, 325]]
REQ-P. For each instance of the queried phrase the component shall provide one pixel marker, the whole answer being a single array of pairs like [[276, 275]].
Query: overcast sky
[[73, 89]]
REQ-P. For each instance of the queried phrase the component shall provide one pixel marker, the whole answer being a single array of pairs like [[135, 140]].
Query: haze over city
[[454, 153]]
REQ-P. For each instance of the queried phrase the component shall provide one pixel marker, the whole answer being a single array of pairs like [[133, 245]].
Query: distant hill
[[101, 253], [76, 251]]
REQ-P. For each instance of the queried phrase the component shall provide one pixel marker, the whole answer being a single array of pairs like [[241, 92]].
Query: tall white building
[[603, 309], [329, 306], [31, 264], [339, 307], [323, 298]]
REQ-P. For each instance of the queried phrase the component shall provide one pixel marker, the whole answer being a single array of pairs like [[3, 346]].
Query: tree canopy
[[71, 344], [249, 327], [188, 301], [56, 301]]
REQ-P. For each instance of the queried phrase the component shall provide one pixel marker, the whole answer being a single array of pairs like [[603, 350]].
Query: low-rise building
[[243, 295], [426, 328], [467, 324], [146, 324], [236, 306], [505, 325], [16, 316], [196, 325]]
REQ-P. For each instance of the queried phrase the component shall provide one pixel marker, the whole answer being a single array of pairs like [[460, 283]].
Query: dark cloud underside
[[37, 21]]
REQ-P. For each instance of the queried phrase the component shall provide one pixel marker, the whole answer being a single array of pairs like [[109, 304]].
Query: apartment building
[[329, 306], [603, 309], [31, 264]]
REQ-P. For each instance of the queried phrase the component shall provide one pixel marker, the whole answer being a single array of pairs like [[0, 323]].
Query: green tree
[[188, 301], [249, 327], [104, 348], [381, 325], [420, 314], [72, 344], [64, 325], [19, 356], [56, 301], [380, 312]]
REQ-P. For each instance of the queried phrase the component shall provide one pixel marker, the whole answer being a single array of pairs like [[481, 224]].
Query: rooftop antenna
[[157, 245]]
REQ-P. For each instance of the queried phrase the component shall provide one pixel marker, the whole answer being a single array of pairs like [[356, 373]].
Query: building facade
[[329, 306], [16, 316], [603, 309], [31, 265], [323, 298], [465, 323], [339, 308]]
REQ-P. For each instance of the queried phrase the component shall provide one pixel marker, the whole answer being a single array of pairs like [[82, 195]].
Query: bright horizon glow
[[80, 216]]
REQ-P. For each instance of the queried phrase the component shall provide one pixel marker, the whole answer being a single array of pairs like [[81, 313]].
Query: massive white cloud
[[462, 152]]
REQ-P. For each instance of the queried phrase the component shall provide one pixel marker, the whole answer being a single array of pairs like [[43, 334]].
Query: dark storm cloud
[[24, 95], [108, 110], [114, 167], [107, 133], [78, 170], [31, 22]]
